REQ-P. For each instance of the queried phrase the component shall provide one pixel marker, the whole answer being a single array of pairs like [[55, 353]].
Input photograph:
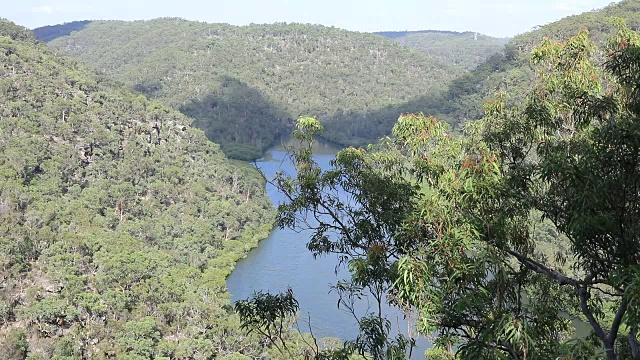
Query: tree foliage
[[510, 70], [568, 154], [243, 85], [119, 221], [444, 225], [269, 315]]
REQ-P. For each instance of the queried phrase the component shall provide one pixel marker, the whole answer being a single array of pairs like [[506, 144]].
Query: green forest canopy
[[356, 84], [465, 49], [71, 201], [243, 85], [119, 221]]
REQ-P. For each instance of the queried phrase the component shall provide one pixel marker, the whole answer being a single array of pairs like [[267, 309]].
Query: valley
[[186, 190]]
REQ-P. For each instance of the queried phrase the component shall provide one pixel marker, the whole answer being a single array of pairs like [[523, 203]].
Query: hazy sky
[[491, 17]]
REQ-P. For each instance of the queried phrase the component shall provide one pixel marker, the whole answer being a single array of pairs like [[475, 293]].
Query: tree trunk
[[610, 350], [633, 342]]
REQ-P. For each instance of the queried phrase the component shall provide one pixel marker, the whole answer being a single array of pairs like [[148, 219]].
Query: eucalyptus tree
[[353, 212], [570, 154], [443, 226]]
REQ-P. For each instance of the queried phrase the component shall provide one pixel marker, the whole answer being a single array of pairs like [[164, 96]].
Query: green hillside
[[511, 71], [118, 221], [244, 85], [52, 32], [464, 49]]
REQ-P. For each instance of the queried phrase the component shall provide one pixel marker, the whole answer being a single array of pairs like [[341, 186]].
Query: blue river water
[[282, 260]]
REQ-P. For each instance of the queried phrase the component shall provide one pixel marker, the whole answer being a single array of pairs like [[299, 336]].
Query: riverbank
[[283, 260]]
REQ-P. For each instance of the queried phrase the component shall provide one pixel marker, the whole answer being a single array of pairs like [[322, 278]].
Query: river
[[282, 260]]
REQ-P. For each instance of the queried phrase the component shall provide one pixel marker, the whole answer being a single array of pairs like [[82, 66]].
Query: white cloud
[[42, 9]]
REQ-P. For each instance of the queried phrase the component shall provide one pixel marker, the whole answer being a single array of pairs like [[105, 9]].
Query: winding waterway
[[282, 260]]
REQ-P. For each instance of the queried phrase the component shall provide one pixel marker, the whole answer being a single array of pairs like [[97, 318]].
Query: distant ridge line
[[399, 34]]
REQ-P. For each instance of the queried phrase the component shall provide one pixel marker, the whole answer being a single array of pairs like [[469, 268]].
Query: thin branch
[[616, 294], [504, 346], [315, 341]]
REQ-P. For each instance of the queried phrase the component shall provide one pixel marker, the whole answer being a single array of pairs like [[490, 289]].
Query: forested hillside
[[51, 32], [448, 226], [118, 221], [465, 49], [511, 70], [244, 85]]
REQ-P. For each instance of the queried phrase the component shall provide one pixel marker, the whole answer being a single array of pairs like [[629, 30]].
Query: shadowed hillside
[[52, 32], [300, 69]]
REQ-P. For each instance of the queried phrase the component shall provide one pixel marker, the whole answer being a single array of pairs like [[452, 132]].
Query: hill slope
[[466, 95], [49, 33], [466, 49], [118, 221], [244, 85]]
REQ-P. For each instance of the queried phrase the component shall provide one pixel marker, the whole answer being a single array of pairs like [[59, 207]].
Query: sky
[[500, 18]]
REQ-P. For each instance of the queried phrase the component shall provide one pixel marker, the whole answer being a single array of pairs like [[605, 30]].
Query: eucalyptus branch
[[617, 321], [633, 342], [584, 295], [543, 269]]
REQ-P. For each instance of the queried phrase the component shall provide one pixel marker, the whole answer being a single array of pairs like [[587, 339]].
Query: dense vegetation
[[117, 231], [356, 84], [52, 32], [444, 225], [511, 70], [118, 221], [243, 85], [465, 49]]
